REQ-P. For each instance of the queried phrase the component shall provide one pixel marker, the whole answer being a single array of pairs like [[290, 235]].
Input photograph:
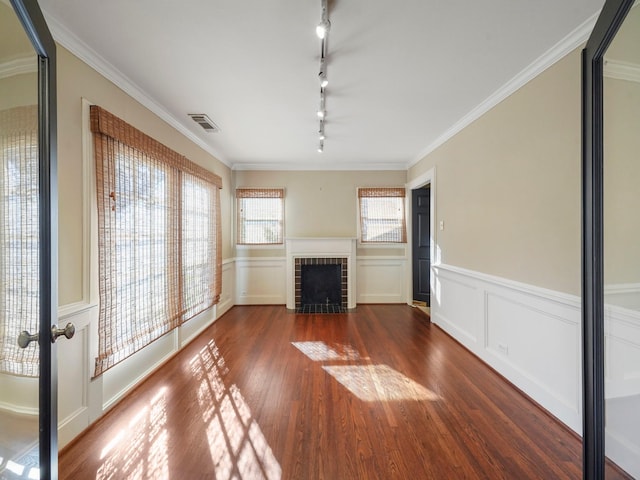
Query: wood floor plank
[[378, 393]]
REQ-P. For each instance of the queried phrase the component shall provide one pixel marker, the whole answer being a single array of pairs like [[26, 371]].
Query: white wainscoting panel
[[626, 295], [622, 387], [260, 281], [74, 371], [537, 343], [195, 326], [19, 394], [458, 305], [528, 334], [532, 336], [622, 346], [227, 297], [381, 279]]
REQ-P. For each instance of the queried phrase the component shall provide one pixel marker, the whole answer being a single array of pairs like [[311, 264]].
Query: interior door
[[28, 245], [421, 241]]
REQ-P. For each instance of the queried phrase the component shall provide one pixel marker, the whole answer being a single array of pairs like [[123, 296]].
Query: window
[[382, 218], [158, 238], [260, 216], [19, 238]]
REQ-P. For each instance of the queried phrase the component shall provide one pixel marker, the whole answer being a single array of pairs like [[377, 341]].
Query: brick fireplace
[[321, 251], [321, 284]]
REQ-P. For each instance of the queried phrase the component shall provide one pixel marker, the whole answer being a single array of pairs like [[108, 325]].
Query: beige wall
[[621, 177], [19, 90], [319, 204], [508, 185], [75, 81]]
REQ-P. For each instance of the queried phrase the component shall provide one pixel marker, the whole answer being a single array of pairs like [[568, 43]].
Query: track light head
[[321, 147], [321, 111], [323, 79], [323, 27], [322, 75]]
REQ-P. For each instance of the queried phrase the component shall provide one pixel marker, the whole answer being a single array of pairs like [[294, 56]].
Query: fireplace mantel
[[321, 247]]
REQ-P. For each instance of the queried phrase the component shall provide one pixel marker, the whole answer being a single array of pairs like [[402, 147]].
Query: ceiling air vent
[[205, 122]]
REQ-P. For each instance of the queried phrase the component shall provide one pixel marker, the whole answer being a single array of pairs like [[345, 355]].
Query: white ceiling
[[404, 75]]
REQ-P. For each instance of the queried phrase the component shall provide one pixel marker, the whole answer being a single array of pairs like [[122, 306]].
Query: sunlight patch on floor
[[238, 447], [371, 383], [321, 352], [140, 449], [15, 468]]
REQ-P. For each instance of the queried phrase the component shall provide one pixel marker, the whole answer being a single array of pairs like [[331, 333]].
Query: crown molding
[[565, 46], [71, 42], [19, 66], [622, 70], [318, 166]]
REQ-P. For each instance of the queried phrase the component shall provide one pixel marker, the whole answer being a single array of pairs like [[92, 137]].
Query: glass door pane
[[622, 245], [19, 258]]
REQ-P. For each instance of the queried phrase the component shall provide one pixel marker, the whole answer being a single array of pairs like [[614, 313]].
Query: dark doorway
[[421, 240], [321, 285]]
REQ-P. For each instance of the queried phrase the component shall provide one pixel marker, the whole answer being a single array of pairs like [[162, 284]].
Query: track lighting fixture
[[322, 30]]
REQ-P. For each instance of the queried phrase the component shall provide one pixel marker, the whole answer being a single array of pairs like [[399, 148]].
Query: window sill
[[279, 246], [381, 244]]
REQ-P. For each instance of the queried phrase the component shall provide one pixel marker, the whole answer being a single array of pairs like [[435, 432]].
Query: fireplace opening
[[321, 286]]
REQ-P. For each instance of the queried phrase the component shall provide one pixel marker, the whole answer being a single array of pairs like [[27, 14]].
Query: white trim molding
[[19, 66], [622, 70]]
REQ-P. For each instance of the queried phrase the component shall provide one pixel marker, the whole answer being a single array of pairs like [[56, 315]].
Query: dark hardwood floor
[[375, 394]]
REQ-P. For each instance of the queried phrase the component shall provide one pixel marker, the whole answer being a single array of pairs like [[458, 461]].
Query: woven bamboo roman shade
[[19, 239], [260, 216], [382, 215], [159, 238]]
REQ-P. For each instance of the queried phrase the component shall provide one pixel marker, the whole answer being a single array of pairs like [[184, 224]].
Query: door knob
[[25, 338], [67, 331]]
